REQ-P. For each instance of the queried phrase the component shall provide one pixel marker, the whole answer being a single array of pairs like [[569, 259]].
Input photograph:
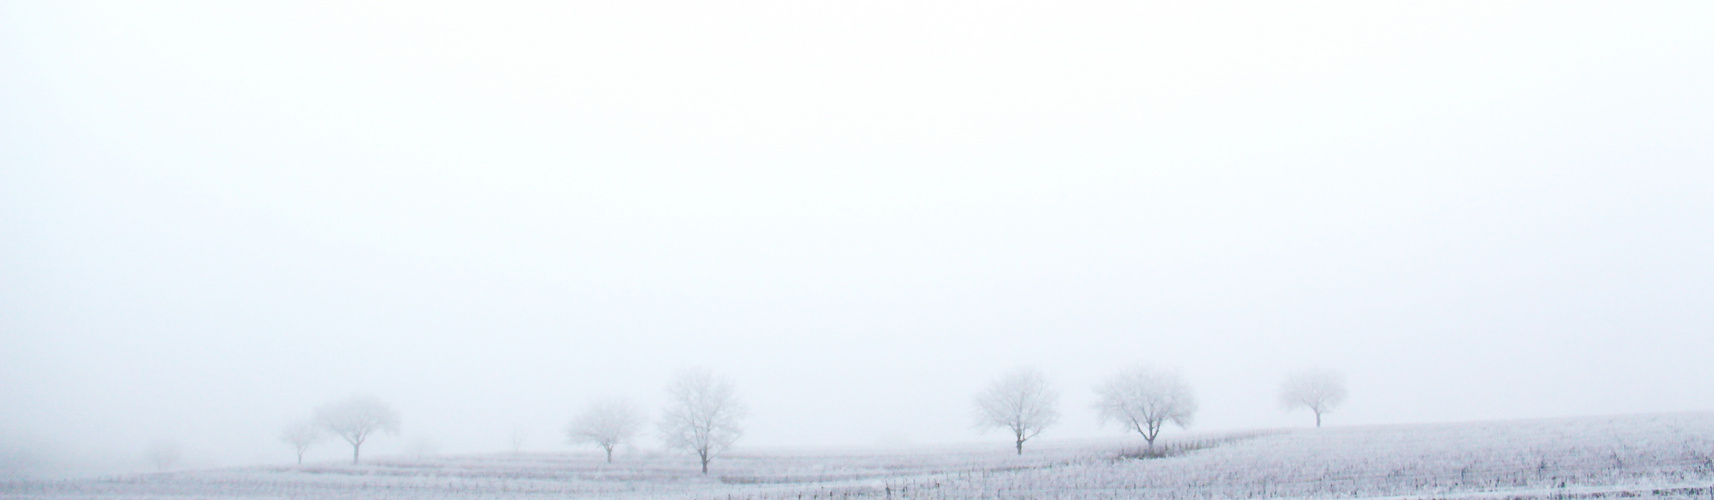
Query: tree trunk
[[1318, 419], [354, 449], [609, 454]]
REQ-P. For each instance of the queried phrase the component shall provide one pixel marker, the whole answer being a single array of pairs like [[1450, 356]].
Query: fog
[[215, 217]]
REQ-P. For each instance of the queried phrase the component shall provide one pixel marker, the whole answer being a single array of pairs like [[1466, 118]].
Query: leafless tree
[[1316, 389], [702, 415], [518, 436], [606, 423], [422, 446], [355, 418], [301, 435], [1144, 399], [1021, 401], [163, 455]]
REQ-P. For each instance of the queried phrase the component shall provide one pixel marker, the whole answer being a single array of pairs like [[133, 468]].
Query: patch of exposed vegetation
[[1182, 446]]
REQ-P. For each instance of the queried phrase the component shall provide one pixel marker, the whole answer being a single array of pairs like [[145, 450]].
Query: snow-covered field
[[1649, 455]]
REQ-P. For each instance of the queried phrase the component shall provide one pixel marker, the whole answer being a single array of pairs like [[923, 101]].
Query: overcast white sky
[[215, 217]]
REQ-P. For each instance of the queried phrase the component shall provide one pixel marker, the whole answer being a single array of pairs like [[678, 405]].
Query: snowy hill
[[1646, 455]]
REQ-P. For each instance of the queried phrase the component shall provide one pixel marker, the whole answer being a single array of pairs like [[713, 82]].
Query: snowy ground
[[1651, 455]]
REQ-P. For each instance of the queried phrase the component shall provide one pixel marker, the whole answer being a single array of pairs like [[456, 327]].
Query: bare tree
[[702, 415], [1021, 401], [355, 418], [301, 435], [422, 446], [606, 423], [1316, 389], [1144, 399], [518, 436], [163, 455]]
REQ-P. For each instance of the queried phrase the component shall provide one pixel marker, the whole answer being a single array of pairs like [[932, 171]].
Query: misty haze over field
[[216, 218]]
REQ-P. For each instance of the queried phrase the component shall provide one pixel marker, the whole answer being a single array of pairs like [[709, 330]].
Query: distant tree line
[[704, 415], [354, 420], [1140, 398]]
